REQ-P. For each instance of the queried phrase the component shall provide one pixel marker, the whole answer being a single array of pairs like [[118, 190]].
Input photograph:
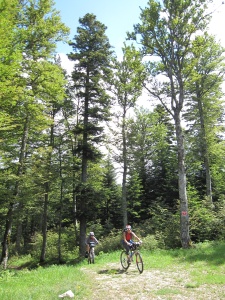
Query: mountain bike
[[126, 260], [91, 253]]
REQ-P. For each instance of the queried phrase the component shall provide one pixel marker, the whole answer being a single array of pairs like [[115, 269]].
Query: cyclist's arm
[[139, 240], [96, 241]]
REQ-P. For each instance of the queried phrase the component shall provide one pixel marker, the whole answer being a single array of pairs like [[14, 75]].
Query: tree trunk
[[44, 224], [124, 183], [205, 151], [19, 232], [83, 220], [9, 217], [60, 208], [6, 238], [184, 217], [83, 224]]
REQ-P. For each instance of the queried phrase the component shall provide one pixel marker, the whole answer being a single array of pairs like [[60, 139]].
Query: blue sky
[[118, 15]]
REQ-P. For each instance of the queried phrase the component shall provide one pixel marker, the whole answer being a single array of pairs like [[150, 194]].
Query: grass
[[25, 280], [42, 283]]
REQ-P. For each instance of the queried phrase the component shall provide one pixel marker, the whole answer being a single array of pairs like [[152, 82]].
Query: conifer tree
[[91, 55]]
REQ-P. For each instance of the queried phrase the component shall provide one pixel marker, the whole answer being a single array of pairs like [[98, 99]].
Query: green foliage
[[111, 242], [164, 226], [152, 242], [206, 220], [68, 248], [43, 135], [152, 159]]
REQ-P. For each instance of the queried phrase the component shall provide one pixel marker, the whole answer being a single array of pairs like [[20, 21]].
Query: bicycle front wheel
[[139, 263], [89, 258], [123, 260]]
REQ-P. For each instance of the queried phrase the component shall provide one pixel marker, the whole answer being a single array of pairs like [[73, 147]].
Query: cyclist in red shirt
[[127, 240]]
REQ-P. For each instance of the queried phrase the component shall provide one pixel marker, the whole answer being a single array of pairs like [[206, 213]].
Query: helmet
[[128, 227], [91, 233]]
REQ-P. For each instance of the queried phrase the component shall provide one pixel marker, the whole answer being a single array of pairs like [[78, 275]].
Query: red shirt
[[128, 236]]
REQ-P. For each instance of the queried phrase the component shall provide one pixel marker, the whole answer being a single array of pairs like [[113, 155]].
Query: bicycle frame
[[133, 251]]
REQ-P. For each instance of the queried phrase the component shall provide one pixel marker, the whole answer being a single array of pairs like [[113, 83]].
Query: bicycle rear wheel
[[123, 260], [139, 263], [92, 256]]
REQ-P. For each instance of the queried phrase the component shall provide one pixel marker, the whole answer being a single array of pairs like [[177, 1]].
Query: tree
[[110, 212], [92, 56], [153, 159], [10, 63], [38, 28], [128, 76], [166, 31], [205, 110], [11, 56]]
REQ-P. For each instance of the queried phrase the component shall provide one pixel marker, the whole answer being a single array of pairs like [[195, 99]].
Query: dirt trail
[[112, 283]]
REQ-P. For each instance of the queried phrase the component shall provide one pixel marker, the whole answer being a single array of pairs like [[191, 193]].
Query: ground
[[114, 283]]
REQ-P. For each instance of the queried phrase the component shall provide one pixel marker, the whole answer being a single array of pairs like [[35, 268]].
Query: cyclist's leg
[[127, 249], [92, 254]]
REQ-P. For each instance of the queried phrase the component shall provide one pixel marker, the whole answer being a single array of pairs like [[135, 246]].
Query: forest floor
[[113, 283]]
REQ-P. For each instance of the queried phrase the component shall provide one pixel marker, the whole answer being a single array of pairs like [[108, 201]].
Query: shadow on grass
[[112, 271], [34, 264]]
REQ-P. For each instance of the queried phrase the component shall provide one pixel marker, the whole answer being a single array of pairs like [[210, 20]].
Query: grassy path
[[172, 282], [195, 274]]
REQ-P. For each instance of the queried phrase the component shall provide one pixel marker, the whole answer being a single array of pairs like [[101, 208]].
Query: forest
[[77, 152]]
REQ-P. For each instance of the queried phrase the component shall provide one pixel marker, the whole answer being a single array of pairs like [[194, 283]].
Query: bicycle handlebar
[[135, 245]]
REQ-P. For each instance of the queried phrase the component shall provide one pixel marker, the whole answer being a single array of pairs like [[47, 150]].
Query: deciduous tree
[[166, 31]]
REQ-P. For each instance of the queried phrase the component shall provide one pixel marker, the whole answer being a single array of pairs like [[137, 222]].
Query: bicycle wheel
[[139, 262], [123, 260], [91, 256]]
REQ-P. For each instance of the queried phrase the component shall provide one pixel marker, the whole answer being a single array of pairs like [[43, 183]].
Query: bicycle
[[125, 262], [91, 253]]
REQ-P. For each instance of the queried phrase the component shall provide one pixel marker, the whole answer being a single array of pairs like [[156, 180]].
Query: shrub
[[111, 242]]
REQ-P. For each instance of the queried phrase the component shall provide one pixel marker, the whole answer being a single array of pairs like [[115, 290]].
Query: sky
[[119, 16]]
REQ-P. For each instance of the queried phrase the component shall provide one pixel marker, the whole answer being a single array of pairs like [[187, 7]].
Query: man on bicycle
[[127, 240], [90, 239]]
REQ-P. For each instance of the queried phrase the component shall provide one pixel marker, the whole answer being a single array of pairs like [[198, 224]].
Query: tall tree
[[91, 55], [205, 111], [128, 76], [166, 31], [11, 57], [39, 28]]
